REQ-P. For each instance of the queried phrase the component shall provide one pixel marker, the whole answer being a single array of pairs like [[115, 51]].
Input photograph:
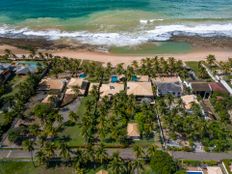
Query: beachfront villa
[[141, 90], [111, 89], [52, 85], [79, 82], [168, 85]]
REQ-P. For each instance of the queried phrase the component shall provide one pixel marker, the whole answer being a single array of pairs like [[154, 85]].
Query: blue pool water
[[114, 79], [83, 75], [194, 172], [31, 64], [134, 78]]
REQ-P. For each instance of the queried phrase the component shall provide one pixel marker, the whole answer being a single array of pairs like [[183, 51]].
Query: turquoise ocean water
[[115, 22]]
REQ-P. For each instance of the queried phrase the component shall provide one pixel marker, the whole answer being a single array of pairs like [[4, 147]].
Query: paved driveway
[[71, 107]]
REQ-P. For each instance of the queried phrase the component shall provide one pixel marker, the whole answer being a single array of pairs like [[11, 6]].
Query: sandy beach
[[221, 55], [127, 59], [15, 50]]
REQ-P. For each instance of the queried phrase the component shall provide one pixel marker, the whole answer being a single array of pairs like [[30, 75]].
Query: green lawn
[[1, 118], [15, 167], [73, 132], [193, 65], [14, 82], [82, 108]]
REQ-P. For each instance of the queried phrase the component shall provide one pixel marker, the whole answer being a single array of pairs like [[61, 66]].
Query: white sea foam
[[148, 21], [159, 33]]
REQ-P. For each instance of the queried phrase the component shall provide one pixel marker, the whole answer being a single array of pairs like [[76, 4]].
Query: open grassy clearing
[[20, 167], [13, 83], [16, 167], [74, 134]]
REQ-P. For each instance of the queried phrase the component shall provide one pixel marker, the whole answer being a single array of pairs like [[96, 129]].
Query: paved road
[[19, 154], [128, 154], [201, 156]]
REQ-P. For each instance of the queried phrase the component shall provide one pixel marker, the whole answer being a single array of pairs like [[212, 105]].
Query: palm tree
[[120, 69], [151, 150], [49, 149], [76, 90], [8, 53], [170, 99], [58, 117], [101, 154], [79, 170], [41, 157], [64, 150], [129, 73], [137, 165], [117, 165], [95, 92], [29, 146], [73, 116], [135, 64], [210, 59], [138, 151]]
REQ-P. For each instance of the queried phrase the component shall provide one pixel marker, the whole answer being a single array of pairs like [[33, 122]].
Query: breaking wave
[[159, 33]]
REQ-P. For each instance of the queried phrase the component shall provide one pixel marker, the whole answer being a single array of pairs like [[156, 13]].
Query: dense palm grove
[[103, 121]]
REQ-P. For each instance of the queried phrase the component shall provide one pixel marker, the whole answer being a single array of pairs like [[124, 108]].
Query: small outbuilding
[[102, 172], [133, 131], [188, 101]]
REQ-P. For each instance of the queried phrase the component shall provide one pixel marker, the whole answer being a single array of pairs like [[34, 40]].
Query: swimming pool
[[195, 172], [134, 78], [32, 65], [82, 75], [114, 79]]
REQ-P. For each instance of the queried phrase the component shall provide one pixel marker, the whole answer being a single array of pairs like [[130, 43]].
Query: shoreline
[[221, 47], [195, 55], [127, 59]]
